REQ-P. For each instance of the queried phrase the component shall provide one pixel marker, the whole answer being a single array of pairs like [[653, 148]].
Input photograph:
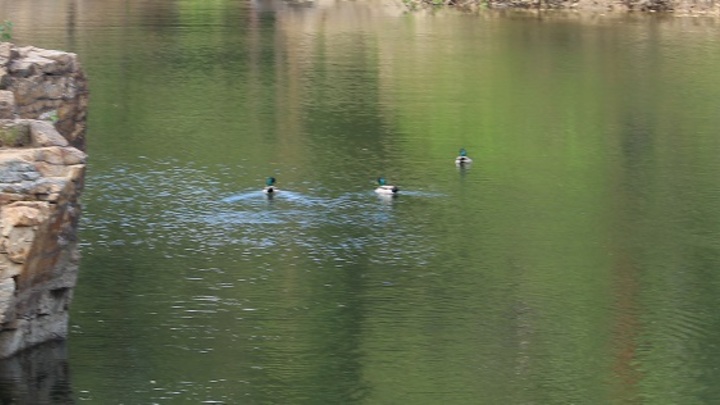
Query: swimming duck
[[384, 188], [463, 158], [270, 186]]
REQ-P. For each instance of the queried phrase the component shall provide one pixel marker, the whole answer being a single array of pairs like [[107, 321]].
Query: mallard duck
[[463, 158], [384, 188], [270, 186]]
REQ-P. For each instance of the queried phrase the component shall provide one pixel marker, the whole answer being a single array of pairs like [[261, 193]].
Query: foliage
[[6, 29], [14, 136], [410, 4], [51, 116]]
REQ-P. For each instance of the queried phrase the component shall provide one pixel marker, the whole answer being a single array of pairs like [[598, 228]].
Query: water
[[573, 262]]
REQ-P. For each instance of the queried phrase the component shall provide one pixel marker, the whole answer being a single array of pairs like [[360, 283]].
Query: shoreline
[[670, 8]]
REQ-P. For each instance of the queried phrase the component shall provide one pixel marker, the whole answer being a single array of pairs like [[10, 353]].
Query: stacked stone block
[[43, 104]]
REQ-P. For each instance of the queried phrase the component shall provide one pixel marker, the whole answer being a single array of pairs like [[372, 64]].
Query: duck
[[463, 158], [384, 188], [270, 186]]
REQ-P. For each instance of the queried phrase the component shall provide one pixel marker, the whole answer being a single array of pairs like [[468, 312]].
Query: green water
[[575, 261]]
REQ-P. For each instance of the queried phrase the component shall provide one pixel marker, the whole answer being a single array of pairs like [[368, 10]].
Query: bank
[[674, 7]]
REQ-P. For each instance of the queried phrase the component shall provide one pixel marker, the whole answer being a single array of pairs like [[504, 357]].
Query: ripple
[[156, 204]]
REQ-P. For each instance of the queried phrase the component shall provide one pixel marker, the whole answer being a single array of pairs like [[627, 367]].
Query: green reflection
[[571, 263]]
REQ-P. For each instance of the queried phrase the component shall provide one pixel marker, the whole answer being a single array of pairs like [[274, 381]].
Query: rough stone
[[19, 214], [42, 169], [7, 292], [7, 104], [18, 243], [44, 81], [6, 52], [43, 133]]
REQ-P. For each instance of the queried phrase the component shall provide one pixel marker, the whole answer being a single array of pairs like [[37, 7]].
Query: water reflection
[[387, 199], [573, 261], [39, 375]]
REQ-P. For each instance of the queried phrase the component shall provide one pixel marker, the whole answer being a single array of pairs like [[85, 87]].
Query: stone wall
[[683, 7], [45, 84], [43, 104], [675, 7]]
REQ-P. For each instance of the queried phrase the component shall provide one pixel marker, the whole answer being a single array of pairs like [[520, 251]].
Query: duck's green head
[[270, 181], [381, 181], [463, 152]]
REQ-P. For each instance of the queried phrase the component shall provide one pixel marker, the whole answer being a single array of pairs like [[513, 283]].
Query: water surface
[[573, 262]]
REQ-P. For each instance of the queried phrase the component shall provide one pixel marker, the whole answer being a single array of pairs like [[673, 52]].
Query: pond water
[[575, 260]]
